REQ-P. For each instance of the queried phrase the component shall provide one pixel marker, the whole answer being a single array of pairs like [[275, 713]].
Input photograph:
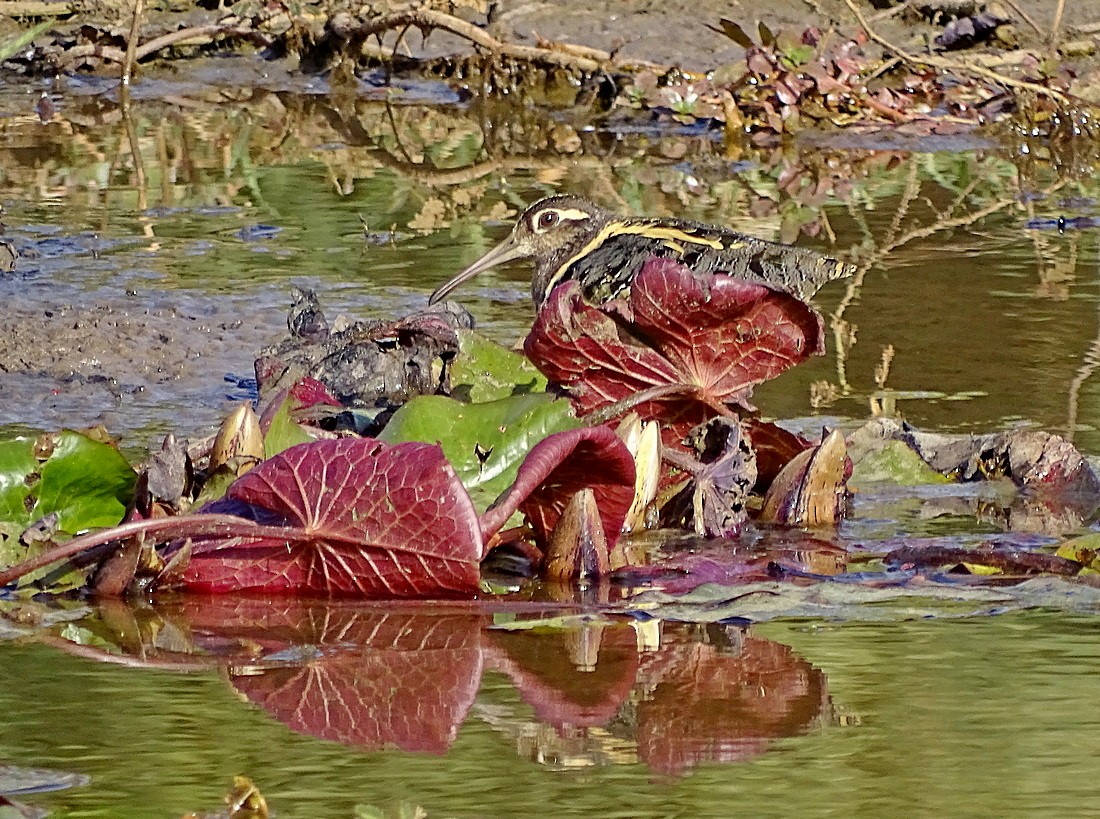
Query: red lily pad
[[556, 469], [716, 336], [774, 446], [359, 517]]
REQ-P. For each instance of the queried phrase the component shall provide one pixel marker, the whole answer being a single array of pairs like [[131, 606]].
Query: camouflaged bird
[[571, 238]]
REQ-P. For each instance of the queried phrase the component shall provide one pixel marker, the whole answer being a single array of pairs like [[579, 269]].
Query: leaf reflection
[[602, 690]]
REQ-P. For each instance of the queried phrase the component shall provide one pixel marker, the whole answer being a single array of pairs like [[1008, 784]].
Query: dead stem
[[131, 43], [177, 527], [196, 34], [1056, 26], [1016, 7], [587, 60]]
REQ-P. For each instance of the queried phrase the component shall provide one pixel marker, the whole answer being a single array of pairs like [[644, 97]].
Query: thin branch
[[588, 60], [200, 34], [1016, 7], [1056, 26], [131, 43], [197, 34]]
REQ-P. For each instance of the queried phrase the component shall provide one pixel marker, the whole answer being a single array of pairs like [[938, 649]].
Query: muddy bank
[[666, 32], [124, 363]]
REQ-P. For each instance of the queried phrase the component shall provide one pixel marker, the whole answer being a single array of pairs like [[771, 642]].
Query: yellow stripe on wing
[[672, 237]]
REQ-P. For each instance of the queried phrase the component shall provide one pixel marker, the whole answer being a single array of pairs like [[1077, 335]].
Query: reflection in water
[[670, 695], [361, 677], [714, 695], [974, 234]]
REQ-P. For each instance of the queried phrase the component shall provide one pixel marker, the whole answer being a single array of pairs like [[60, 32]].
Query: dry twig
[[588, 60], [1056, 26], [131, 43], [1016, 7], [194, 34]]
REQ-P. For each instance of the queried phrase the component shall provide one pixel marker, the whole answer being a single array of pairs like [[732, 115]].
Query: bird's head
[[549, 231]]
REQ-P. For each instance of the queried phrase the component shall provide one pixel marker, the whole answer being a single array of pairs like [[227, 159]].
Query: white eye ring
[[546, 220]]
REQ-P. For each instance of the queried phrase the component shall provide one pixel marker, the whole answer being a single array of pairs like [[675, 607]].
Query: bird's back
[[608, 262]]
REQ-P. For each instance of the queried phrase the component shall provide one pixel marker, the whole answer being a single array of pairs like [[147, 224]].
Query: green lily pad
[[88, 484], [485, 443], [283, 432], [17, 463], [1084, 549], [486, 371]]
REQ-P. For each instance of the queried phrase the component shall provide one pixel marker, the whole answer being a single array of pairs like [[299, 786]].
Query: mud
[[75, 364], [679, 32], [122, 365]]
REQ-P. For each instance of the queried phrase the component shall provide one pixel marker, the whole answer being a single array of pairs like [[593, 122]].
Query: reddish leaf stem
[[605, 413], [178, 527]]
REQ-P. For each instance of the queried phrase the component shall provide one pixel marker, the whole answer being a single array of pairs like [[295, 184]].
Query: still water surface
[[992, 324], [936, 718]]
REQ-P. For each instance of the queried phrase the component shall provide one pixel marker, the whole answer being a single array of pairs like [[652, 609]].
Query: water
[[992, 325], [969, 299], [931, 718]]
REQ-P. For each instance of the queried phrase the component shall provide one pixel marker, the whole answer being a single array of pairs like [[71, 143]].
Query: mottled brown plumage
[[571, 238]]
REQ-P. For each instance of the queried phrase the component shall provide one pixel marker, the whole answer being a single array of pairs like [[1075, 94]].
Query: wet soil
[[73, 364], [679, 32]]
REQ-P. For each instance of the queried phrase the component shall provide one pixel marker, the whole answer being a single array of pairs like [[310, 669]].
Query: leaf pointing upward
[[715, 335]]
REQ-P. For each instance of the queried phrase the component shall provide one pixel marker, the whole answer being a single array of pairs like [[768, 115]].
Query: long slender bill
[[506, 251]]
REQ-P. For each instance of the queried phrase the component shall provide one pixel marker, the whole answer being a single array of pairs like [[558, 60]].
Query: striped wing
[[607, 265]]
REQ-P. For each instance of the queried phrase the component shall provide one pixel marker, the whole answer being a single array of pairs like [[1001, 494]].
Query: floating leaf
[[17, 466], [1083, 550], [87, 484], [992, 557], [361, 518], [486, 371], [485, 443]]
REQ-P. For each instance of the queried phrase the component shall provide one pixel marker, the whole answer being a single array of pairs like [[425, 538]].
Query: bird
[[569, 237]]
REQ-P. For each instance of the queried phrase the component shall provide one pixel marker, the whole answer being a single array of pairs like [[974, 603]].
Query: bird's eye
[[547, 219]]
